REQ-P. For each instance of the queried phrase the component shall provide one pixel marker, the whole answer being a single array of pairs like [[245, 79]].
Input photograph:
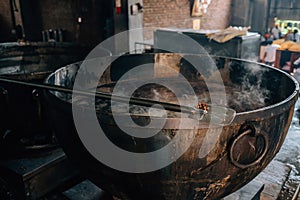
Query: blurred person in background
[[270, 53], [275, 32], [264, 42], [293, 36]]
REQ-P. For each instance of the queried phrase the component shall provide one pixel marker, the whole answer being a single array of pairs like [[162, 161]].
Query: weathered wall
[[59, 14], [177, 13], [259, 15], [157, 13], [64, 14], [250, 13], [55, 14], [5, 22], [240, 13], [285, 9]]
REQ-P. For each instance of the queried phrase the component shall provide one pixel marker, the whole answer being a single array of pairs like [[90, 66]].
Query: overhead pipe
[[275, 7], [268, 15], [12, 13]]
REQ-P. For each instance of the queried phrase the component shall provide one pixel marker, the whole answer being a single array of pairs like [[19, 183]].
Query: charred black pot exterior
[[263, 97]]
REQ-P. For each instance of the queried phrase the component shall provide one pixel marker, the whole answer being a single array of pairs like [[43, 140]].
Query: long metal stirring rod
[[106, 96], [226, 113]]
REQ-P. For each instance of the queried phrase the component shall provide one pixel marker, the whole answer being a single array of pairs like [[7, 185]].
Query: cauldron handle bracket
[[4, 94], [36, 95], [236, 157]]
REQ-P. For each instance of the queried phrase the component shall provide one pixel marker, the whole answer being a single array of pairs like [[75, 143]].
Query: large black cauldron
[[22, 117], [263, 97]]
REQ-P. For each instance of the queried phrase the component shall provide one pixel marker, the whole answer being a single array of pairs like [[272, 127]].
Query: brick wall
[[157, 13], [177, 13]]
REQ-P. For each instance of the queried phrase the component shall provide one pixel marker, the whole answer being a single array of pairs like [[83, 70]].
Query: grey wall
[[285, 9], [259, 14], [240, 13], [250, 13]]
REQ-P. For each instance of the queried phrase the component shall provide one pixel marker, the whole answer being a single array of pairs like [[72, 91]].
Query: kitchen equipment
[[23, 124], [218, 161]]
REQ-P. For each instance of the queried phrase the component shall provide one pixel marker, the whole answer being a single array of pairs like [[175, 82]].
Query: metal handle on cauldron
[[223, 116], [235, 144]]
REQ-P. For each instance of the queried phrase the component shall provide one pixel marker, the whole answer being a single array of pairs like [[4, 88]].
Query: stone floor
[[267, 185], [289, 155]]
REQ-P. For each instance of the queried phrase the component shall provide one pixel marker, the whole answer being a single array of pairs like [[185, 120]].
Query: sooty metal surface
[[220, 159]]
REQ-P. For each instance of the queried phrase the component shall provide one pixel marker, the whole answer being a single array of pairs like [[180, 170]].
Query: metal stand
[[31, 178]]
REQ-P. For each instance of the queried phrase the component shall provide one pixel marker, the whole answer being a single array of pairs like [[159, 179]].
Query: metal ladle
[[220, 115]]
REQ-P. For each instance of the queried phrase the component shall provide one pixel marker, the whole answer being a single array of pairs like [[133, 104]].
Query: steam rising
[[245, 90], [252, 94]]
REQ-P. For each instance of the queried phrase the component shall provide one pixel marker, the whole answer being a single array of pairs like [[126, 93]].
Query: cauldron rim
[[293, 96]]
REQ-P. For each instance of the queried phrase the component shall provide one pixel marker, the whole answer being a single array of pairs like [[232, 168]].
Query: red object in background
[[118, 7], [267, 35], [118, 10]]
